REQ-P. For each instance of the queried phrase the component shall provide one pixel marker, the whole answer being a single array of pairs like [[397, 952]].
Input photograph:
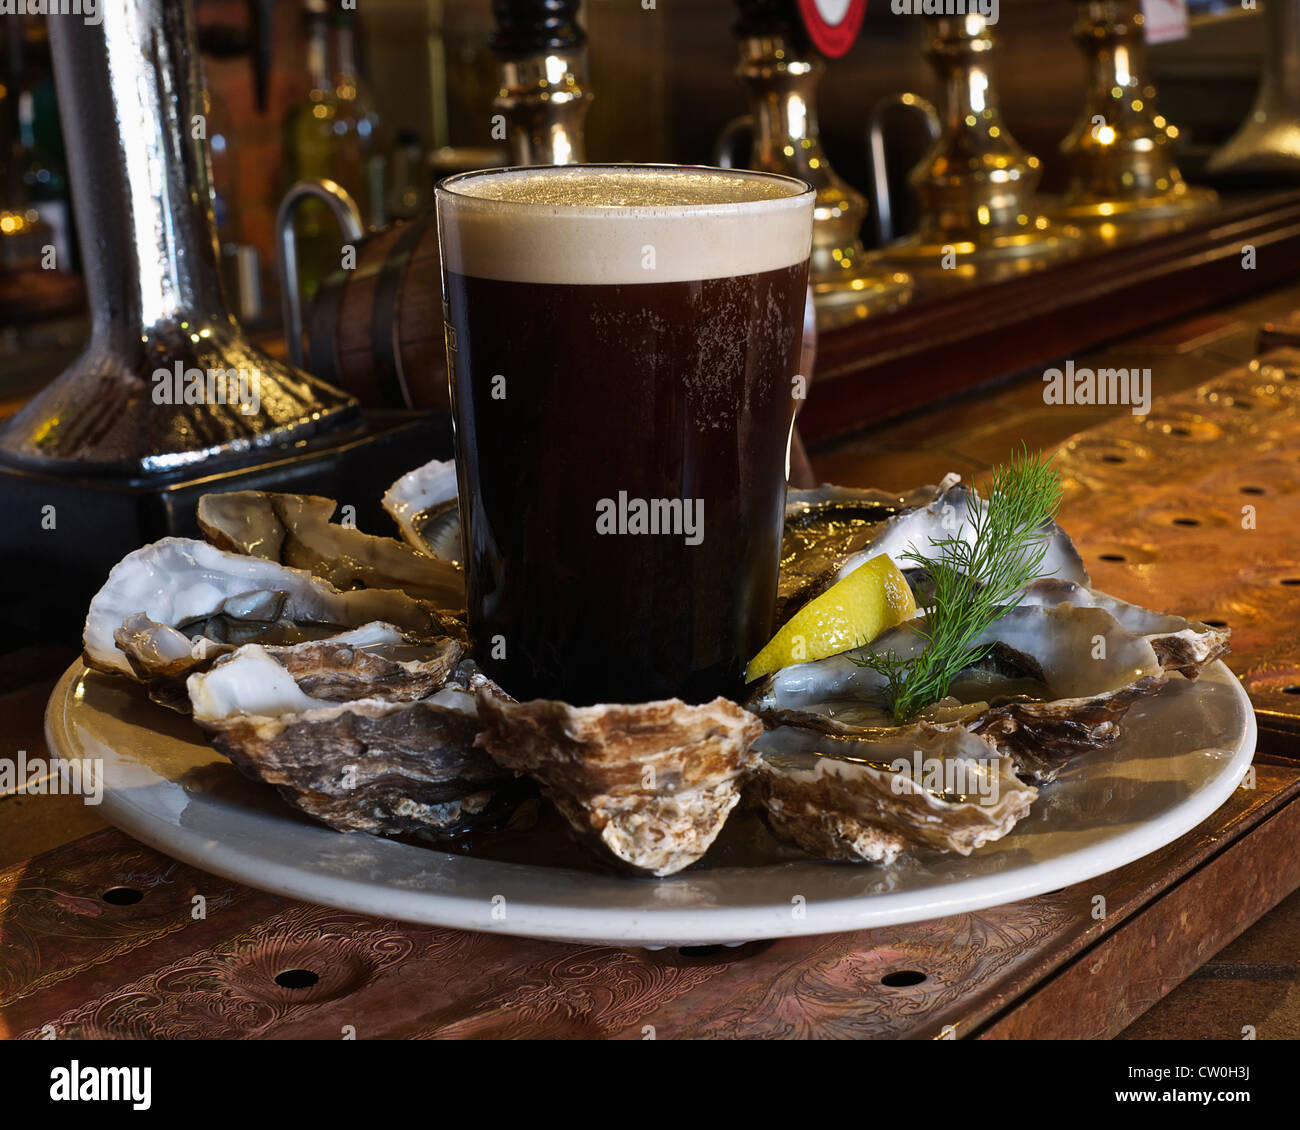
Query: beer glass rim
[[447, 187]]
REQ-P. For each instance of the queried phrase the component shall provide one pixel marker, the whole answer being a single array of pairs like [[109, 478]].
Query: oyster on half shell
[[653, 782], [295, 530], [173, 606], [1185, 646], [1064, 668], [951, 514], [936, 786], [823, 527], [363, 731], [423, 503]]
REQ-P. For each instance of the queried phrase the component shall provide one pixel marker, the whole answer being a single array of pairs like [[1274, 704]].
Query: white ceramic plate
[[1182, 753]]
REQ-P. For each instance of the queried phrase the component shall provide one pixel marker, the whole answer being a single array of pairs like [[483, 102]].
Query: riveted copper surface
[[198, 957], [1194, 508]]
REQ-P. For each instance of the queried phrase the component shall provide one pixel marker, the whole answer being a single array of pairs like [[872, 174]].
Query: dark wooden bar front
[[951, 342]]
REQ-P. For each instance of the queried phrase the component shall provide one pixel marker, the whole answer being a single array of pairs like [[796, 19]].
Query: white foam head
[[621, 224]]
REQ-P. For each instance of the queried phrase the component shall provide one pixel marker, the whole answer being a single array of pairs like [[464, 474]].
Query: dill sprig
[[973, 582]]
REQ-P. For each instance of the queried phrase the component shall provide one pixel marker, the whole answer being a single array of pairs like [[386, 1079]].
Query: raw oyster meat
[[823, 527], [1056, 647], [1064, 667], [423, 504], [173, 606], [363, 731], [653, 782], [935, 786], [295, 530], [1185, 646], [949, 515]]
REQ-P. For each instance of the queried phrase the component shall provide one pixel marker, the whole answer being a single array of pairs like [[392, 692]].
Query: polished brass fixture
[[1268, 141], [847, 283], [1121, 150], [980, 217], [543, 96]]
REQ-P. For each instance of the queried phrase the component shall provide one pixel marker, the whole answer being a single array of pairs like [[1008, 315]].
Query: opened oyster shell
[[1185, 646], [173, 606], [1065, 666], [295, 530], [951, 515], [653, 782], [423, 504], [930, 786], [363, 731], [823, 527]]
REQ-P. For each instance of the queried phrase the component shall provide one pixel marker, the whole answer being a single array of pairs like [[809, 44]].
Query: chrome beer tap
[[150, 395]]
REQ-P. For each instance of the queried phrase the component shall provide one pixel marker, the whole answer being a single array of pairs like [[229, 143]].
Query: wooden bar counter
[[1192, 507]]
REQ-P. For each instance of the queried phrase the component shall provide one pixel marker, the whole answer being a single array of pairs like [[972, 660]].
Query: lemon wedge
[[853, 611]]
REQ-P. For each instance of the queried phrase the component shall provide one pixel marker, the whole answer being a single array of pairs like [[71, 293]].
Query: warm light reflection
[[556, 69], [796, 117], [1123, 72], [561, 149]]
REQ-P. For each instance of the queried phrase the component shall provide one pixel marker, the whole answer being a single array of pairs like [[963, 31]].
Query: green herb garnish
[[974, 583]]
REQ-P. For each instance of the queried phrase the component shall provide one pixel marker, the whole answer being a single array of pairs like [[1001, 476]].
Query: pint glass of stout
[[623, 344]]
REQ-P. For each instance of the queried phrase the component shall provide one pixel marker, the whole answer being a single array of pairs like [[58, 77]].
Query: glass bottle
[[357, 111], [323, 140]]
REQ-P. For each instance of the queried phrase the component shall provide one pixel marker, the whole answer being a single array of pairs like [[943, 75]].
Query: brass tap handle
[[781, 70], [980, 217], [979, 178], [1120, 153], [1121, 145]]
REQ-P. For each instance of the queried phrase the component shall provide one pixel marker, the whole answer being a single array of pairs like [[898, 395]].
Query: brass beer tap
[[781, 72], [1121, 150], [847, 283], [980, 216]]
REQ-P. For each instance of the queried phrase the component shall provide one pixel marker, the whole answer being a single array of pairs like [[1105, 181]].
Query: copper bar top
[[101, 936]]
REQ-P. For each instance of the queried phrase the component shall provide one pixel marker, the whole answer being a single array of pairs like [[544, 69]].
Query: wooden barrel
[[376, 330]]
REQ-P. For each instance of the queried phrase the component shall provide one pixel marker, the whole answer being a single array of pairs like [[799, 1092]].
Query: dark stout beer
[[623, 387]]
